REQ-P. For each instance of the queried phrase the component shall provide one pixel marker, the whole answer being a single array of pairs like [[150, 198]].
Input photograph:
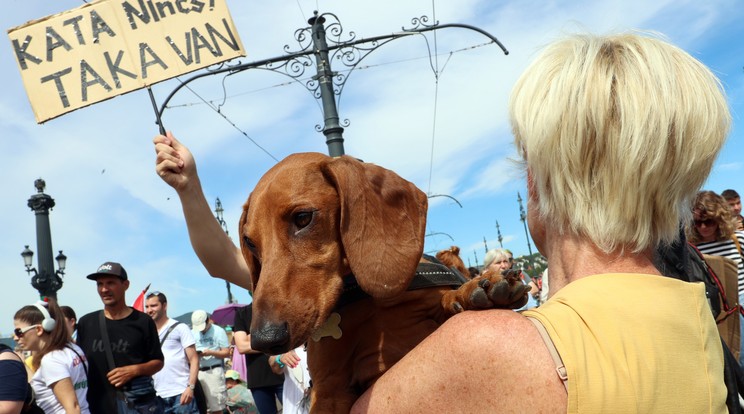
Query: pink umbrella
[[225, 314]]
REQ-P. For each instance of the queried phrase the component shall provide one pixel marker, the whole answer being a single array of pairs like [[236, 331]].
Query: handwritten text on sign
[[111, 47]]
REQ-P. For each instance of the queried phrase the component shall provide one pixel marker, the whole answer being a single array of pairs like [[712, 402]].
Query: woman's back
[[636, 343]]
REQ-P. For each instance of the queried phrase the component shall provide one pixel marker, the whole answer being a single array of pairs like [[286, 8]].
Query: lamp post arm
[[326, 83]]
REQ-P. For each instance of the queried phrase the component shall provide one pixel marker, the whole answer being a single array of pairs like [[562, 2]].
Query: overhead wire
[[361, 67], [229, 121]]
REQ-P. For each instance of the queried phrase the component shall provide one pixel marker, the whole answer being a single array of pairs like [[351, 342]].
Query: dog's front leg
[[492, 290], [331, 372]]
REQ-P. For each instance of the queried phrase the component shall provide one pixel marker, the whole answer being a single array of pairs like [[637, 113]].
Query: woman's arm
[[65, 393], [11, 407]]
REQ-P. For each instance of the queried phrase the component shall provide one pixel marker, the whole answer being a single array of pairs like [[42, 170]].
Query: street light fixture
[[28, 256], [46, 280]]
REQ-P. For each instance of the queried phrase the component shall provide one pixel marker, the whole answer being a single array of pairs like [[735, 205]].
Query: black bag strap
[[107, 348], [82, 361], [106, 341], [172, 327]]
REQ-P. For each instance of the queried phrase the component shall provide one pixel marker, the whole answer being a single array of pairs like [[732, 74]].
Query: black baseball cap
[[109, 269]]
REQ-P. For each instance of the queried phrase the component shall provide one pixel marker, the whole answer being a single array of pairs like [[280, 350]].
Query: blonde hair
[[617, 134]]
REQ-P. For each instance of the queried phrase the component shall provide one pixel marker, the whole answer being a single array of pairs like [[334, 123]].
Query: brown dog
[[332, 245]]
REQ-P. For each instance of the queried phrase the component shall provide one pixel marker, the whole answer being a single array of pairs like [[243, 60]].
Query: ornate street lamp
[[218, 210], [46, 280], [498, 231], [523, 218]]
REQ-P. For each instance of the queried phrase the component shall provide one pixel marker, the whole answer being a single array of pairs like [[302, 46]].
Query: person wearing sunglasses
[[713, 232], [60, 380]]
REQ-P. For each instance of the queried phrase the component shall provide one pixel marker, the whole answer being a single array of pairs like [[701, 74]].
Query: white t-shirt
[[296, 381], [173, 379], [56, 366]]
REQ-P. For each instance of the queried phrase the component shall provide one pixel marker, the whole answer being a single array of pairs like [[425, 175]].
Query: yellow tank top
[[635, 343]]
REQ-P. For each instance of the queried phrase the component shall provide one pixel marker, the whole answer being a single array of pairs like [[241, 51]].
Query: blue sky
[[98, 162]]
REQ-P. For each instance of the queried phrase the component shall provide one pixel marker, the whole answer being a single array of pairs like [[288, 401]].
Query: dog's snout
[[272, 339]]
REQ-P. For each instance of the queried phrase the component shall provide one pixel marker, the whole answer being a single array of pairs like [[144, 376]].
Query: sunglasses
[[153, 293], [708, 222], [20, 331]]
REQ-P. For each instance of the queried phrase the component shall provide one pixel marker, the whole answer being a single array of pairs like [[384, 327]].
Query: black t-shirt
[[134, 340], [259, 372], [13, 377]]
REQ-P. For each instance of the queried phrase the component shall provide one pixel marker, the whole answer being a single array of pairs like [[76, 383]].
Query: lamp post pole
[[218, 210], [498, 231], [45, 280], [523, 218]]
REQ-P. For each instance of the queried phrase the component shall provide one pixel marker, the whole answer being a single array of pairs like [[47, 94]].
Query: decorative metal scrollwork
[[319, 45], [420, 23]]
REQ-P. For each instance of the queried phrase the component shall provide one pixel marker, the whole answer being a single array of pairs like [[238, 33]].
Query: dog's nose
[[272, 339]]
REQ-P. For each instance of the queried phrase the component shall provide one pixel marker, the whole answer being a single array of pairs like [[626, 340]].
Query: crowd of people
[[122, 360], [617, 135]]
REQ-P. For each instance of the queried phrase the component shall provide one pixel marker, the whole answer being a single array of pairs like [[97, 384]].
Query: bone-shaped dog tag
[[329, 328]]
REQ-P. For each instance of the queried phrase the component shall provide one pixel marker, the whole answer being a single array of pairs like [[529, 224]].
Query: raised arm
[[219, 255]]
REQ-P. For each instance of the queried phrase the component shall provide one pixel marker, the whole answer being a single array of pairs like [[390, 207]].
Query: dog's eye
[[249, 244], [303, 219]]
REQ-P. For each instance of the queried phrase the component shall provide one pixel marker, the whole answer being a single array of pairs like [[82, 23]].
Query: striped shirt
[[727, 248]]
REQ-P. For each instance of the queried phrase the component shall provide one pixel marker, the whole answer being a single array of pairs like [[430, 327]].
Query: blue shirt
[[214, 338]]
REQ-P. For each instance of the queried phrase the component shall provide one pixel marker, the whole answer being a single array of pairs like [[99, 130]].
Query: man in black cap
[[127, 386]]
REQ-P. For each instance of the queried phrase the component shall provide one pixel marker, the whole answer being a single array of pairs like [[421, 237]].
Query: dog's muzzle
[[271, 339]]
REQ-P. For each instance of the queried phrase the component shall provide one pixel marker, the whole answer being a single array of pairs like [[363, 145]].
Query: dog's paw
[[491, 290]]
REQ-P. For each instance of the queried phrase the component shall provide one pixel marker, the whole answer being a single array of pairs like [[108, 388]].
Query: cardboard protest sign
[[110, 47]]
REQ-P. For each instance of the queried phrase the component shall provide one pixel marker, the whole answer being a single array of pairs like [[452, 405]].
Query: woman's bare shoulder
[[483, 361]]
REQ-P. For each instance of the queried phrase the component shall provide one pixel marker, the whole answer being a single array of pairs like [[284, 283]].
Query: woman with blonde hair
[[497, 259], [60, 380], [617, 133]]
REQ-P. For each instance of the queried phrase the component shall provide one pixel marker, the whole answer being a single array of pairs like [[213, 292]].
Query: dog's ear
[[254, 267], [382, 224]]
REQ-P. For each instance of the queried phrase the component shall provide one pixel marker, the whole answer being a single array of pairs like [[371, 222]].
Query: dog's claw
[[500, 293], [479, 299]]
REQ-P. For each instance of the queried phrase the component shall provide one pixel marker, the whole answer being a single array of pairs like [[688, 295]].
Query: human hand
[[174, 162], [121, 375], [290, 359], [187, 396]]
